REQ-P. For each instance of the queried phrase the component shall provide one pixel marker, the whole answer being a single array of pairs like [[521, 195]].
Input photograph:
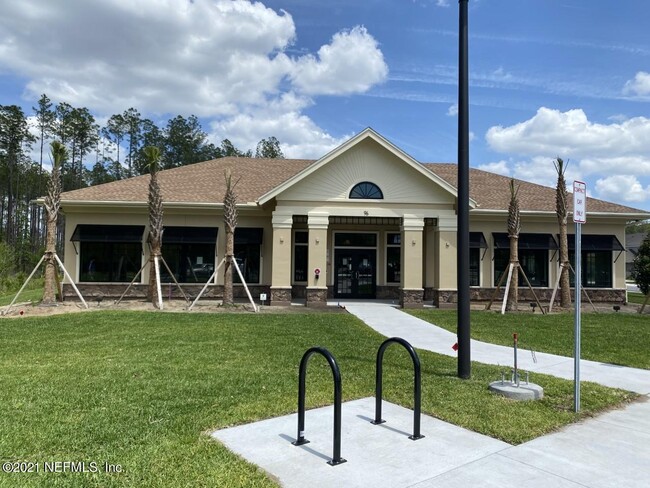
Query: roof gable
[[365, 157]]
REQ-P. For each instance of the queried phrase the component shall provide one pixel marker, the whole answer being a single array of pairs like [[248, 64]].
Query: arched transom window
[[366, 190]]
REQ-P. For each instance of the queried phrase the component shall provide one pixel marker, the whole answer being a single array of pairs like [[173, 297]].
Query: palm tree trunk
[[565, 285], [228, 298], [513, 291], [49, 291]]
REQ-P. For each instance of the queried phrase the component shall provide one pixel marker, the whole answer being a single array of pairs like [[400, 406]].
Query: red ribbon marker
[[455, 347]]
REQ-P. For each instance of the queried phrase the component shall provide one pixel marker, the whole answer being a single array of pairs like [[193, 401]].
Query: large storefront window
[[393, 258], [248, 252], [108, 253], [597, 259], [533, 262], [189, 252], [533, 257], [300, 256]]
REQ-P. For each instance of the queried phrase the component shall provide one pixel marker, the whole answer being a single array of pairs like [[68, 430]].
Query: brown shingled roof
[[491, 192], [204, 183], [199, 183]]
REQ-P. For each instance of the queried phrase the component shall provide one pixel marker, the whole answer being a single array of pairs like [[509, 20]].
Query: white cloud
[[614, 159], [351, 63], [639, 85], [499, 167], [452, 111], [551, 132], [299, 136], [442, 3], [626, 188], [225, 60]]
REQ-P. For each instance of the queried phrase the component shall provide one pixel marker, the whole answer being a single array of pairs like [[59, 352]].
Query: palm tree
[[230, 222], [514, 226], [152, 157], [561, 212], [52, 204]]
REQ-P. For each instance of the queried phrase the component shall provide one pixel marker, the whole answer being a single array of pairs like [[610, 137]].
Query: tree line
[[95, 155]]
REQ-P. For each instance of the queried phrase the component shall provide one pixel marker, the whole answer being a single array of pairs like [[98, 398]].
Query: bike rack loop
[[417, 390], [336, 374]]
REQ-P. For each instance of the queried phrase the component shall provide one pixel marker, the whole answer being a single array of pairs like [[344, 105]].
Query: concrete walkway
[[392, 322], [611, 450], [608, 451]]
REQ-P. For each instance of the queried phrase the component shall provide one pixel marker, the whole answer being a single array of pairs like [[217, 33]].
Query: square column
[[317, 283], [412, 292], [281, 265], [445, 262]]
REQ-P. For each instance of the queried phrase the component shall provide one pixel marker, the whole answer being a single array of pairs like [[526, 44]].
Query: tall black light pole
[[463, 326]]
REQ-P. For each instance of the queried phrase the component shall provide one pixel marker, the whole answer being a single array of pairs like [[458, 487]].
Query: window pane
[[596, 269], [190, 263], [535, 265], [533, 262], [109, 261], [300, 258], [301, 237], [248, 260], [394, 239], [349, 239], [366, 190], [501, 261], [474, 267], [393, 264]]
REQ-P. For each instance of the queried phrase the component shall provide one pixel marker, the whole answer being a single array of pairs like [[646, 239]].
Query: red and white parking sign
[[579, 202]]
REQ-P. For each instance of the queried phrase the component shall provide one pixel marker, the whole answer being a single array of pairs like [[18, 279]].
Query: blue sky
[[548, 78]]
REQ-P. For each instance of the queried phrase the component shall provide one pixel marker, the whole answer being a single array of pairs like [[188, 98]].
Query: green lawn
[[33, 293], [633, 297], [141, 389], [616, 338]]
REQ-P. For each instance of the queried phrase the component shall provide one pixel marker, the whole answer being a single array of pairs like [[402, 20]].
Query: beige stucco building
[[365, 221]]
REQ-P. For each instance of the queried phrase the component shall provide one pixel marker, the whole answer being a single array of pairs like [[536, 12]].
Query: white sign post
[[579, 218]]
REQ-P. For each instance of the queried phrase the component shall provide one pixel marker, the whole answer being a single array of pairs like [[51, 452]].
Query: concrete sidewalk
[[611, 450], [392, 322]]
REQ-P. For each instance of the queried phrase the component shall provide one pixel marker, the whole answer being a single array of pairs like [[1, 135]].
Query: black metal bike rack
[[417, 390], [336, 374]]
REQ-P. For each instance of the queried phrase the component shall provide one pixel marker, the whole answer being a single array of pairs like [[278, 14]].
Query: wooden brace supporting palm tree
[[52, 204], [511, 296]]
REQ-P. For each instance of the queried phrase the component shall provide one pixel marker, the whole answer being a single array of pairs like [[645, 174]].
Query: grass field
[[620, 338], [32, 293], [142, 389], [636, 297]]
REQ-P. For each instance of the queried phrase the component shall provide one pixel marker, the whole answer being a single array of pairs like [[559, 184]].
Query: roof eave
[[545, 213], [123, 204]]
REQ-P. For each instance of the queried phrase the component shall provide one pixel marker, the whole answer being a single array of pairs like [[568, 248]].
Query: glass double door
[[355, 273]]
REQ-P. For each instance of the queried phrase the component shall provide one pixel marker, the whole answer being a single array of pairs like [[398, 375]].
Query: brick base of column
[[316, 297], [281, 296], [411, 298]]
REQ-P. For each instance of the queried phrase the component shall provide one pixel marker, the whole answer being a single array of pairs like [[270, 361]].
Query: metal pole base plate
[[335, 462], [377, 422], [415, 438], [300, 442]]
